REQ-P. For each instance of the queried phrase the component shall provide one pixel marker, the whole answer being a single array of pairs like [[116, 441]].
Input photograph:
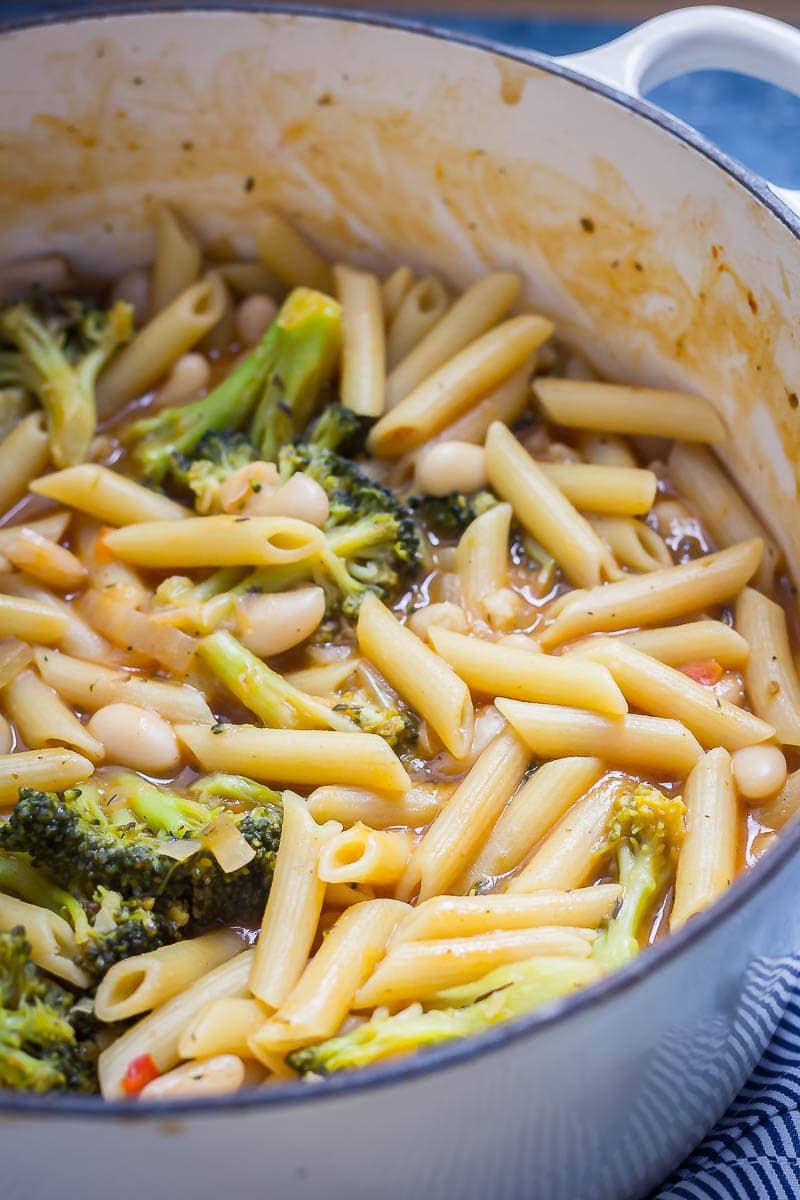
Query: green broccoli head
[[55, 348], [122, 928], [448, 516], [216, 456], [40, 1049], [341, 430], [395, 723], [235, 791], [645, 831], [371, 540]]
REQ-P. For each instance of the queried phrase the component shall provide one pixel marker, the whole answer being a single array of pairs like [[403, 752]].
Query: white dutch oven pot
[[395, 145]]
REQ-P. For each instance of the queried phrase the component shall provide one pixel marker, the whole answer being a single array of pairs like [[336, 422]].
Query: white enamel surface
[[394, 147]]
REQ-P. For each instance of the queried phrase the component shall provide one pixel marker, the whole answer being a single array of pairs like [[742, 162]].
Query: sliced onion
[[227, 844], [180, 848]]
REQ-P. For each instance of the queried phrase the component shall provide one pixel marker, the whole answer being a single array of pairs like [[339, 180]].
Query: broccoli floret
[[307, 339], [646, 830], [371, 541], [123, 928], [505, 993], [40, 1050], [20, 878], [448, 516], [394, 722], [216, 456], [55, 350], [235, 790], [265, 692], [132, 850], [341, 430]]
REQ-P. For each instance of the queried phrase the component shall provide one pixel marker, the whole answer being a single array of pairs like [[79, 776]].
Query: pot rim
[[737, 896]]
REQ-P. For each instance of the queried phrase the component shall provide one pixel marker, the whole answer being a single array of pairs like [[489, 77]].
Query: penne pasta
[[76, 636], [421, 308], [482, 556], [52, 941], [707, 862], [31, 620], [89, 687], [15, 656], [107, 496], [498, 670], [606, 450], [49, 770], [145, 981], [177, 262], [219, 541], [46, 560], [698, 477], [159, 1033], [614, 408], [363, 855], [474, 313], [223, 1027], [363, 348], [321, 998], [294, 905], [466, 916], [43, 719], [596, 488], [784, 807], [457, 385], [530, 814], [23, 455], [394, 289], [302, 757], [657, 597], [287, 254], [507, 402], [770, 675], [423, 679], [691, 641], [159, 343], [545, 512], [349, 806], [322, 680], [642, 743], [423, 968], [633, 544], [52, 527], [656, 688], [453, 839], [566, 857]]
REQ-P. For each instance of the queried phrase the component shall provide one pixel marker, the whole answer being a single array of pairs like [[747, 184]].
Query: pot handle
[[693, 39]]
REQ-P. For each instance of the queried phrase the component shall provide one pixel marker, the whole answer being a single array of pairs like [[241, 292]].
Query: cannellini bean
[[254, 317], [278, 621], [136, 737], [300, 497], [451, 467], [759, 771], [247, 482], [190, 373], [445, 615], [6, 736], [730, 688], [203, 1077]]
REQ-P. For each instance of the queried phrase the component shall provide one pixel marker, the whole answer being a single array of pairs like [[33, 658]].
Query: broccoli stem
[[19, 877], [220, 786], [163, 812], [306, 343], [619, 941], [265, 692]]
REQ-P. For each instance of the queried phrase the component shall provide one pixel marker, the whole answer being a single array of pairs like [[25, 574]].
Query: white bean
[[759, 771], [278, 621], [247, 482], [6, 736], [451, 467], [136, 737], [204, 1077], [300, 497], [254, 317], [190, 373], [444, 615]]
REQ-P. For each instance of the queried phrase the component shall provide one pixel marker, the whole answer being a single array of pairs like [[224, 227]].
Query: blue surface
[[754, 1153]]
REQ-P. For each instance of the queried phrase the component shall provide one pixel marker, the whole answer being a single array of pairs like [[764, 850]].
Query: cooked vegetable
[[55, 348], [448, 516], [216, 456]]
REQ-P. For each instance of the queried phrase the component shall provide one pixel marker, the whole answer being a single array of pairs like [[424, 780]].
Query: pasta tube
[[453, 839], [657, 597], [363, 855], [421, 677], [220, 541], [457, 385], [107, 495], [690, 641], [615, 408], [43, 719], [544, 510], [770, 673], [482, 555], [617, 491], [143, 982], [297, 756], [707, 861], [51, 938], [644, 743], [363, 349], [498, 670], [50, 770], [222, 1027], [288, 255], [420, 309], [348, 806], [23, 455], [30, 620], [177, 262]]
